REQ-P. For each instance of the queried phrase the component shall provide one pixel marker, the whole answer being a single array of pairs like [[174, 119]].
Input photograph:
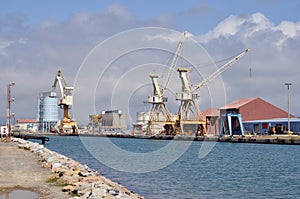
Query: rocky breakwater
[[76, 179]]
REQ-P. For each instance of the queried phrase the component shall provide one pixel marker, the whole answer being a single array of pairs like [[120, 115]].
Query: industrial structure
[[109, 120], [66, 126], [95, 121], [258, 117], [160, 119], [47, 115], [189, 119], [114, 120]]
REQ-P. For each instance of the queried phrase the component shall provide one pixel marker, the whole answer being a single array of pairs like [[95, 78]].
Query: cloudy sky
[[107, 50]]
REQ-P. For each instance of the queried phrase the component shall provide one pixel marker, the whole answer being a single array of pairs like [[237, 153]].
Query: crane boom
[[174, 61], [221, 69], [65, 91]]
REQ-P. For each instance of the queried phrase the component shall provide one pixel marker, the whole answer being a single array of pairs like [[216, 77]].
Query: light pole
[[288, 84], [8, 109]]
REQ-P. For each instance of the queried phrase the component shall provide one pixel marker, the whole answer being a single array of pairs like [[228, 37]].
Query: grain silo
[[47, 111]]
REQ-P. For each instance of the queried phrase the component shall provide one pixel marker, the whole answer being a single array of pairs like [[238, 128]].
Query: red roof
[[238, 103], [26, 121], [211, 112], [256, 109]]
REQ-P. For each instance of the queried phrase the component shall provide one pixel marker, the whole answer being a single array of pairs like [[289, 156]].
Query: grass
[[74, 194], [54, 180], [59, 184]]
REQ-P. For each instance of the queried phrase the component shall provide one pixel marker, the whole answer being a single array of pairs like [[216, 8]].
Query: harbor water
[[229, 170]]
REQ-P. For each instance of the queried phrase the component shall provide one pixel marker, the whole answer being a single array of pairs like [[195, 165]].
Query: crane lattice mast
[[188, 110], [159, 114]]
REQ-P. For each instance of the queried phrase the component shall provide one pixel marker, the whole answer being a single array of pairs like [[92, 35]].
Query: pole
[[8, 108], [288, 84]]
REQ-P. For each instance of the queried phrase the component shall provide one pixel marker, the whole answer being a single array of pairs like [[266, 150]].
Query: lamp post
[[8, 109], [288, 84]]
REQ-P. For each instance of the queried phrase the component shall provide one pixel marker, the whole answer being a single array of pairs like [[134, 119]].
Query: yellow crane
[[66, 126]]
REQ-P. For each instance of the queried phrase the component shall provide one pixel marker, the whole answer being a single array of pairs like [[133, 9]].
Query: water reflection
[[17, 194]]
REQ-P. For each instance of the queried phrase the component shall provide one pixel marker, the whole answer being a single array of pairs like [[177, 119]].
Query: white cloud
[[170, 38], [119, 11], [4, 44], [273, 59], [289, 29], [234, 25], [30, 55]]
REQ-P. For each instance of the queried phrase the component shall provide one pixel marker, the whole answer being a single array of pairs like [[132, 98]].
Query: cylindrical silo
[[47, 111]]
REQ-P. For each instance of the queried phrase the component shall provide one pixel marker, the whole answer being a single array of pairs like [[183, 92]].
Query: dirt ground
[[22, 170]]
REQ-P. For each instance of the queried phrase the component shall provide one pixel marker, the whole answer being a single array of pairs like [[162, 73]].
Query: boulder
[[68, 188]]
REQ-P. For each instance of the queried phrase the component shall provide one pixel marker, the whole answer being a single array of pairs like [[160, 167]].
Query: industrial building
[[257, 115], [255, 109], [47, 115], [26, 125], [114, 119]]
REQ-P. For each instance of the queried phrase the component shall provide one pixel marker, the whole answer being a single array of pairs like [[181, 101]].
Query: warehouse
[[257, 115], [255, 109]]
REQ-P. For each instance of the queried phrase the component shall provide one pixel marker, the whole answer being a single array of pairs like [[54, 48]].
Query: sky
[[38, 37]]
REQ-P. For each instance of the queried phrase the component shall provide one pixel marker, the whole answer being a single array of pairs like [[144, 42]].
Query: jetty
[[32, 137], [29, 166]]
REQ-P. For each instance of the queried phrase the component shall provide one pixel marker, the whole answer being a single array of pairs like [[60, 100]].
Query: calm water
[[230, 170]]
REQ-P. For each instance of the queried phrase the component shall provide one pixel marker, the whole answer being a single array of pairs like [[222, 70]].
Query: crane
[[159, 114], [188, 97], [66, 126]]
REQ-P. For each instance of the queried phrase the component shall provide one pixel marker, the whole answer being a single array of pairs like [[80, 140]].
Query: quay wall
[[260, 139]]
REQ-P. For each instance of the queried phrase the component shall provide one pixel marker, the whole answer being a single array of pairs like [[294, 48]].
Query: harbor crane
[[159, 114], [66, 126], [190, 117]]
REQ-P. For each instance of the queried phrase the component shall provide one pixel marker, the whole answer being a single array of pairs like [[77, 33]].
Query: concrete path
[[21, 170]]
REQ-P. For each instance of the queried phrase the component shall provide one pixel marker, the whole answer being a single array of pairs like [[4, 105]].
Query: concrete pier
[[20, 170], [29, 166]]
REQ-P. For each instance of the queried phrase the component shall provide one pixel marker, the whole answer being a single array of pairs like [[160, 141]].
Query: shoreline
[[73, 179], [258, 139]]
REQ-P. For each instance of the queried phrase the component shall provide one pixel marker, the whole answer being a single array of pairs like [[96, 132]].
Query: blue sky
[[195, 16], [37, 37]]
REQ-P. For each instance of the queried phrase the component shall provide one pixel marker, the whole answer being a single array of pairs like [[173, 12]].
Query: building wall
[[263, 126], [114, 119], [27, 126]]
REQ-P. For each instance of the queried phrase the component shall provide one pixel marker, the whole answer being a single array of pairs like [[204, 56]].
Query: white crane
[[67, 125], [188, 97], [159, 113]]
